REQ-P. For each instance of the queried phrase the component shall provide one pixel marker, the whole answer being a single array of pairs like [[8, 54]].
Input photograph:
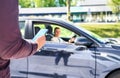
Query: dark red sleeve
[[11, 43]]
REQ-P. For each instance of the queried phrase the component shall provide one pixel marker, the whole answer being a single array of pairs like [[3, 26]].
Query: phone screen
[[40, 33]]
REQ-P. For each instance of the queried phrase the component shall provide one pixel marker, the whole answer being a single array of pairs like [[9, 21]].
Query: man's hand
[[71, 40], [40, 41]]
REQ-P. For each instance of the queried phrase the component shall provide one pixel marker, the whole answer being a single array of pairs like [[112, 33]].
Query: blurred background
[[99, 16]]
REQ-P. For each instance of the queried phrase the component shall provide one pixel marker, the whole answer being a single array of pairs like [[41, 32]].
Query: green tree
[[39, 3], [44, 3], [51, 3], [62, 3], [25, 3], [115, 5], [36, 3]]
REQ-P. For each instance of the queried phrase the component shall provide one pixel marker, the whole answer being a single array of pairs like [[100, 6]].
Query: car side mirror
[[83, 41]]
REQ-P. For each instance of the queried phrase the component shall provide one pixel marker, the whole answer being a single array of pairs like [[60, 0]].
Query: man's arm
[[11, 43]]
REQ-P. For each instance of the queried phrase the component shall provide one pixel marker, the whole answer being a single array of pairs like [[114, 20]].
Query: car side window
[[65, 33]]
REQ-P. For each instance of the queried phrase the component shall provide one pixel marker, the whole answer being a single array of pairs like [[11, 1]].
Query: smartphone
[[41, 32]]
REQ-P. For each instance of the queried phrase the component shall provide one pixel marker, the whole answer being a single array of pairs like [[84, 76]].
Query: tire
[[115, 74]]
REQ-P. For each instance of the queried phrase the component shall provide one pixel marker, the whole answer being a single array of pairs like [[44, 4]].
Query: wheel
[[115, 74]]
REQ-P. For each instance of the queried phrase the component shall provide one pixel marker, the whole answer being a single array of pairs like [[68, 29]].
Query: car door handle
[[49, 49], [97, 53]]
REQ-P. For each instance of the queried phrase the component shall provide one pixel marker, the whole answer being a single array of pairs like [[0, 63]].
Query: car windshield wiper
[[111, 41]]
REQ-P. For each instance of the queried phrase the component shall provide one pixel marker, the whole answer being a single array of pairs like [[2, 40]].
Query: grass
[[111, 30]]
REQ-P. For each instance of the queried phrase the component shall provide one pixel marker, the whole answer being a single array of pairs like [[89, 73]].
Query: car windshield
[[95, 36]]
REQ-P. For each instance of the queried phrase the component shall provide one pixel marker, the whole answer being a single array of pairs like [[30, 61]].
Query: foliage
[[36, 3], [62, 2], [115, 5], [44, 3], [104, 30], [25, 3], [39, 3]]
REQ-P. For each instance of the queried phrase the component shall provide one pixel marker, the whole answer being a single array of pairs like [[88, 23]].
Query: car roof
[[40, 18]]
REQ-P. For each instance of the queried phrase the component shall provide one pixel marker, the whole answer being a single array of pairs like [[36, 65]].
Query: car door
[[81, 63]]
